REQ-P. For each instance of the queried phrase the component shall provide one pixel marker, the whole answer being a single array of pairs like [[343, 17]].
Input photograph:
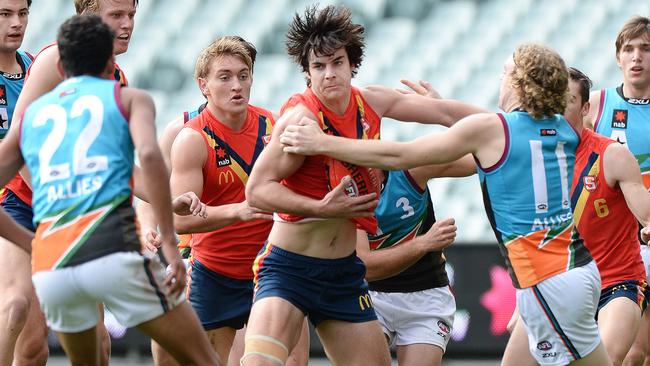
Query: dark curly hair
[[541, 80], [85, 45], [325, 31]]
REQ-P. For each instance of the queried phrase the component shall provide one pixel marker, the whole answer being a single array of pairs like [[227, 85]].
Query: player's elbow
[[149, 156], [182, 225], [254, 196]]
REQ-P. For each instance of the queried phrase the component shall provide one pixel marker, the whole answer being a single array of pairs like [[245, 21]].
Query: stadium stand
[[458, 45]]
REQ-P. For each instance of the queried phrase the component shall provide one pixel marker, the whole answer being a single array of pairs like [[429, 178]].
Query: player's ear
[[59, 68], [203, 86]]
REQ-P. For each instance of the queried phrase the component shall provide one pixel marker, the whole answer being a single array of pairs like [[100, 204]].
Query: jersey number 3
[[81, 162]]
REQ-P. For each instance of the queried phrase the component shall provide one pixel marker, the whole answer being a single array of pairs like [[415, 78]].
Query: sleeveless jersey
[[627, 121], [404, 212], [17, 185], [606, 224], [185, 240], [527, 200], [231, 250], [311, 179], [76, 143], [10, 87]]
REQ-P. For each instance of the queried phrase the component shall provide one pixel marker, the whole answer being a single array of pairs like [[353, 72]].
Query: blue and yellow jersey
[[404, 212], [76, 143], [527, 198], [626, 120]]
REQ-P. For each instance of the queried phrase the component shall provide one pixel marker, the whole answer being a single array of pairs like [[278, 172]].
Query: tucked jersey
[[231, 250], [404, 212], [76, 143], [627, 121], [527, 200], [10, 87], [359, 121], [17, 185], [606, 224]]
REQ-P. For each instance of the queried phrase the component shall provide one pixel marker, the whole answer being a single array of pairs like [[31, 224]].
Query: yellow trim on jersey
[[584, 194]]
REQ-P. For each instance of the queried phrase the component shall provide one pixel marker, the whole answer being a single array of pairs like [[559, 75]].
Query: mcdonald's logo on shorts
[[226, 176], [365, 301]]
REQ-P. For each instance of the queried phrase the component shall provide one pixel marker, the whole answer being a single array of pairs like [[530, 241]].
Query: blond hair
[[91, 6], [635, 27], [541, 80], [222, 46]]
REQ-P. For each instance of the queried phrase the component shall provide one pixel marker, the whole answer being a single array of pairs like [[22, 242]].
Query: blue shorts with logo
[[323, 289], [631, 289], [20, 211], [219, 301]]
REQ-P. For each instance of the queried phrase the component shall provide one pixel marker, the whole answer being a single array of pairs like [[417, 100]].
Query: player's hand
[[645, 234], [189, 203], [337, 203], [246, 212], [423, 88], [303, 138], [151, 240], [441, 235], [175, 279]]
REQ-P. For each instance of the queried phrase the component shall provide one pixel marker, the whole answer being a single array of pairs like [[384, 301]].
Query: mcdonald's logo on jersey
[[227, 177], [365, 301]]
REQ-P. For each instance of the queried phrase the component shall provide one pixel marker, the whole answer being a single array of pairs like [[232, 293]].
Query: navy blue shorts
[[323, 289], [219, 301], [21, 212], [634, 290]]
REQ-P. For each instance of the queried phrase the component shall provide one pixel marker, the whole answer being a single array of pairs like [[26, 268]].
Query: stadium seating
[[458, 45]]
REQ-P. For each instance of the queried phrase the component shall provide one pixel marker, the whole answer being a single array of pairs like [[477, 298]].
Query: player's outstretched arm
[[621, 168], [141, 111], [407, 107], [307, 138], [384, 263], [265, 191]]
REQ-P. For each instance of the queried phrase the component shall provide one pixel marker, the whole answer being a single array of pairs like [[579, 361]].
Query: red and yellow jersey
[[231, 155], [359, 121], [602, 216], [17, 184]]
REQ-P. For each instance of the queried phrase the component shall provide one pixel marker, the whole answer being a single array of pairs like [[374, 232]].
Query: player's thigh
[[81, 348], [299, 355], [618, 322], [419, 354], [348, 343], [174, 329], [517, 351], [221, 340], [277, 318]]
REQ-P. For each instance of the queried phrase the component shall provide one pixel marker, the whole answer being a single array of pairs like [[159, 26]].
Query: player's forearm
[[15, 233], [156, 180], [389, 262], [387, 155], [272, 196], [217, 218]]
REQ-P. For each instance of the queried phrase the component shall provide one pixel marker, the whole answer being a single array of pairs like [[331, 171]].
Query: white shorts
[[645, 255], [559, 315], [130, 286], [416, 317]]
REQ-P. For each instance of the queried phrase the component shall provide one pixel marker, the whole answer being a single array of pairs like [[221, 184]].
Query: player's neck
[[8, 62], [639, 92], [235, 121], [336, 105]]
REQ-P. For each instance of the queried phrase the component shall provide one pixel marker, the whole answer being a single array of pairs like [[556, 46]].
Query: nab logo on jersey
[[3, 94], [223, 159], [619, 118], [590, 183], [547, 132]]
